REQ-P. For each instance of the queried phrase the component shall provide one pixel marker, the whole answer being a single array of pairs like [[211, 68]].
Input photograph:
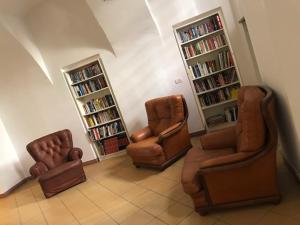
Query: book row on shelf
[[212, 24], [203, 46], [230, 115], [90, 86], [102, 117], [218, 80], [218, 96], [114, 144], [97, 104], [88, 72], [99, 133], [223, 61]]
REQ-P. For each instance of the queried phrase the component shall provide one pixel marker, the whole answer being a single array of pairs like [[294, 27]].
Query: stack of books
[[102, 117], [98, 103], [203, 46], [223, 61], [218, 96], [215, 81], [90, 86], [82, 74], [101, 132], [231, 113], [212, 24]]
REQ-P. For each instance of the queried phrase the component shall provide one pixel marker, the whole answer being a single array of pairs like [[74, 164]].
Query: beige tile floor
[[118, 193]]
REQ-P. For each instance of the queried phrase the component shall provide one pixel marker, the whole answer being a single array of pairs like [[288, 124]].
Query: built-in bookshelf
[[97, 106], [211, 67]]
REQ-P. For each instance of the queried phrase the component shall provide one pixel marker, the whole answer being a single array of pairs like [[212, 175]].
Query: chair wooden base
[[205, 210]]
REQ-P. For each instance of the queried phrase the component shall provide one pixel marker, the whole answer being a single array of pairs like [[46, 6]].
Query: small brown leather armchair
[[58, 165], [237, 165], [166, 137]]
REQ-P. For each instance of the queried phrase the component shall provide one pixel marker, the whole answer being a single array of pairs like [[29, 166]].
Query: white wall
[[147, 61], [274, 32], [9, 164], [30, 105]]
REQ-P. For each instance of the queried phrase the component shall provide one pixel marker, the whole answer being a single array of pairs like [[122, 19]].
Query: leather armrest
[[38, 169], [225, 138], [225, 160], [141, 134], [170, 131], [75, 153]]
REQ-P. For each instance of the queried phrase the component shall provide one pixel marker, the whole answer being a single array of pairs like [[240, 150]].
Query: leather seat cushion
[[60, 170], [147, 151], [192, 163]]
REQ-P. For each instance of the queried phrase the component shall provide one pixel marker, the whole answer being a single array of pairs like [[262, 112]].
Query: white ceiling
[[18, 7]]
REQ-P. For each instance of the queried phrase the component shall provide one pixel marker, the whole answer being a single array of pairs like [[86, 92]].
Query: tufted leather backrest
[[52, 149], [250, 129], [165, 112]]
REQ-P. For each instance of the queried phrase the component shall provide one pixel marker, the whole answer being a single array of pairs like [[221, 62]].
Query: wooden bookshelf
[[97, 106], [211, 67]]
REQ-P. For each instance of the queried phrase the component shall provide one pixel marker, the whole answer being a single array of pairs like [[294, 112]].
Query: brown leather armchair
[[166, 137], [58, 165], [237, 165]]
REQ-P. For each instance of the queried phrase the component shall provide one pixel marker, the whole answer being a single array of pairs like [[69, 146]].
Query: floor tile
[[138, 218], [196, 219], [175, 214]]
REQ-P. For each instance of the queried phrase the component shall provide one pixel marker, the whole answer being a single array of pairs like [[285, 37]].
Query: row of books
[[212, 24], [218, 96], [102, 117], [225, 60], [204, 46], [98, 133], [215, 81], [231, 113], [98, 104], [202, 69], [81, 75], [114, 144], [90, 86]]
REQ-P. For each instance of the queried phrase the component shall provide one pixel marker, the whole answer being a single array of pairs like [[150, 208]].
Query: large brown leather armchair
[[166, 137], [237, 165], [58, 165]]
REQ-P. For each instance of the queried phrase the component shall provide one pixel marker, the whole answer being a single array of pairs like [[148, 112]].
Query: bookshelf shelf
[[218, 104], [94, 92], [217, 88], [208, 52], [87, 79], [97, 103], [104, 123], [210, 74], [214, 74], [202, 37], [122, 132], [100, 110]]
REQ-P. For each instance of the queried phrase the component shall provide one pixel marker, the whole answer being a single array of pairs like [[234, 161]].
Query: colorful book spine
[[212, 24]]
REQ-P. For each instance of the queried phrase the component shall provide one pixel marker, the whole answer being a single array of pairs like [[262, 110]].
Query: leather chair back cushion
[[250, 125], [164, 112], [52, 149]]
